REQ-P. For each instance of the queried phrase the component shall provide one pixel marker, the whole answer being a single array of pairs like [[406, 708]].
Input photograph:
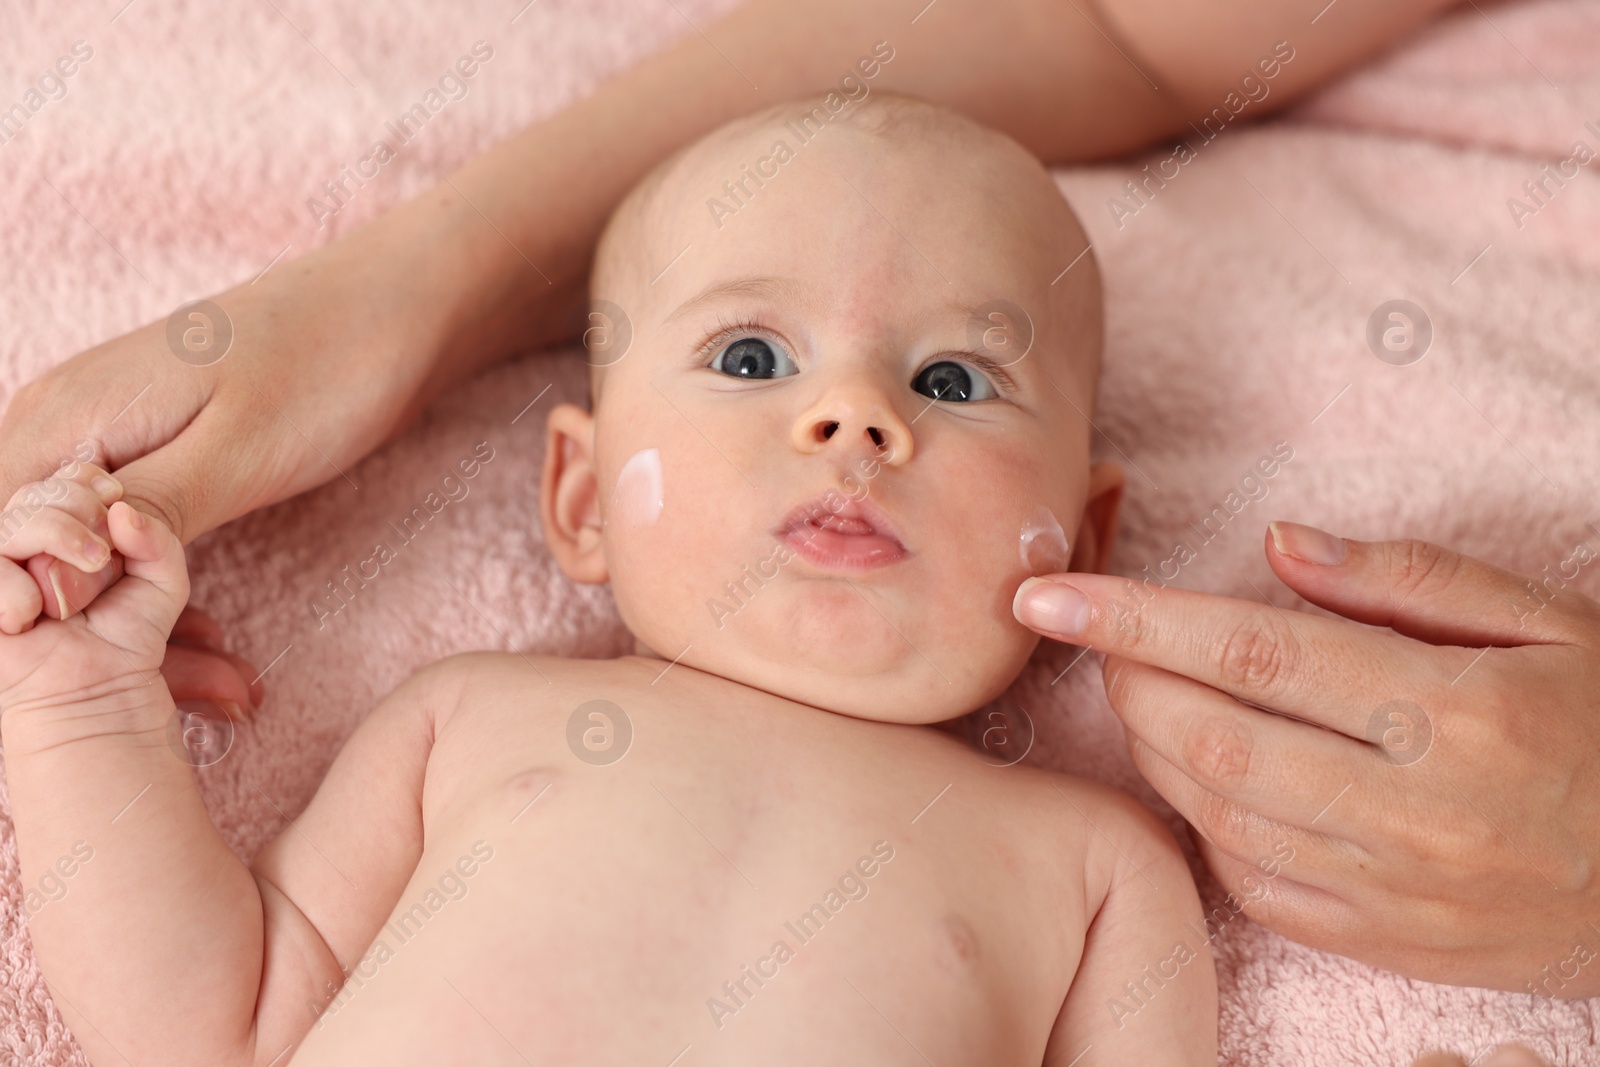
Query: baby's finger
[[102, 482], [53, 531], [83, 491], [151, 553], [20, 601], [78, 499], [92, 482]]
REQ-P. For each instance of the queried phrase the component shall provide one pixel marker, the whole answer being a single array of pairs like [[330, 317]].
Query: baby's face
[[823, 467]]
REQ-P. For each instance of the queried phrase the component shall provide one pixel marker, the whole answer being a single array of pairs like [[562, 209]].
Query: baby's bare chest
[[647, 877]]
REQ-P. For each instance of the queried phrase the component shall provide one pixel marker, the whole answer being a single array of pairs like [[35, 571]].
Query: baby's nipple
[[637, 498], [1042, 543]]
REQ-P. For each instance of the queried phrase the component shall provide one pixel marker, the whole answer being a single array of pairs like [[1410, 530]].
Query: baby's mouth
[[848, 537]]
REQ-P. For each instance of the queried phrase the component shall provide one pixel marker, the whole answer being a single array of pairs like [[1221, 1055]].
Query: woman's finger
[[193, 674], [1514, 1056], [1294, 909], [1440, 1059], [1248, 836], [66, 589], [1288, 771], [1504, 1056], [1432, 594], [1291, 662], [195, 627]]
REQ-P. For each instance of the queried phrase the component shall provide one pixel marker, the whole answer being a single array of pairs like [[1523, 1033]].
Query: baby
[[844, 358]]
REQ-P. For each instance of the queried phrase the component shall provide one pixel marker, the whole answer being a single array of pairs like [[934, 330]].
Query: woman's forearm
[[345, 344], [512, 232]]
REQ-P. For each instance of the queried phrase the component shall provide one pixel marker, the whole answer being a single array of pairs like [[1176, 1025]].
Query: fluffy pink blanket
[[181, 157]]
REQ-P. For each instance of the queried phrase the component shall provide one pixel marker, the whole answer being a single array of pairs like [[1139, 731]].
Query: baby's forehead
[[907, 174], [919, 187]]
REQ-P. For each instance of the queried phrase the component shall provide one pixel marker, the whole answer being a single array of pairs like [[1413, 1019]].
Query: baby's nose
[[855, 418]]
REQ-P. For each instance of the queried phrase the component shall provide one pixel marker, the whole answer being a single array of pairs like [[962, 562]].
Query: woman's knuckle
[[1218, 750], [1124, 617], [1225, 824], [1123, 680], [1416, 566], [1253, 656], [1481, 733]]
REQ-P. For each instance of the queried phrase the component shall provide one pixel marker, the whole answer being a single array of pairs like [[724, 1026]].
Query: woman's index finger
[[1327, 671]]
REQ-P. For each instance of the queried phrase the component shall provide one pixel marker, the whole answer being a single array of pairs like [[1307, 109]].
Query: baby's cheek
[[1042, 544], [639, 495], [669, 551]]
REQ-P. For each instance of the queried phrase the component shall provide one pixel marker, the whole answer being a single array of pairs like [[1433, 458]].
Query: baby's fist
[[115, 644], [51, 532]]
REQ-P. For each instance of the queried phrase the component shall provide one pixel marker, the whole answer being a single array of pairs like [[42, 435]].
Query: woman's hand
[[1425, 797], [1504, 1056], [284, 384]]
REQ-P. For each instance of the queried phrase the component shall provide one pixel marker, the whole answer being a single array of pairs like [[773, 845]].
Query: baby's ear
[[1097, 533], [569, 495]]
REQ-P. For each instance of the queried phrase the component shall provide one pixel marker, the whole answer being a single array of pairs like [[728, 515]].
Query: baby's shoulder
[[470, 685], [1092, 817]]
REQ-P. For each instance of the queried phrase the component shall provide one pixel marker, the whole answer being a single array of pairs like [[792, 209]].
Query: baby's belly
[[650, 916]]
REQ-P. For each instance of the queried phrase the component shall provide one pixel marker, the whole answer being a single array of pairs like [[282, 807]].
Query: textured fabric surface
[[183, 152]]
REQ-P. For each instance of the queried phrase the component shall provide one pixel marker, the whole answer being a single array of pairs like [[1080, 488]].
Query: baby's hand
[[115, 645], [67, 511]]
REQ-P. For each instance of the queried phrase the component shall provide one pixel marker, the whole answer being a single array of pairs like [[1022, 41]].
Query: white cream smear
[[1042, 543], [637, 498]]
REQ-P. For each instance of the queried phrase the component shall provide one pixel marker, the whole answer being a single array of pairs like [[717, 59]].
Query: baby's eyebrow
[[766, 286]]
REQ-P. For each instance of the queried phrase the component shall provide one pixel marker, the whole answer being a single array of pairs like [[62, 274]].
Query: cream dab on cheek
[[637, 498], [1042, 543]]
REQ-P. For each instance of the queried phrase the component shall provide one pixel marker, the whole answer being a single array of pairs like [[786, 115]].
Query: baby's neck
[[955, 726]]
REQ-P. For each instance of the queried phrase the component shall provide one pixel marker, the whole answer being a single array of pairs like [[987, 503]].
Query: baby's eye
[[751, 357], [950, 381]]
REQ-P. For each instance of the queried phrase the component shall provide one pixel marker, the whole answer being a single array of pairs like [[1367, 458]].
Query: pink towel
[[179, 157]]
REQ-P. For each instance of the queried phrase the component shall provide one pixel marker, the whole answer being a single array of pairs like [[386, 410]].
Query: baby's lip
[[863, 512], [850, 517]]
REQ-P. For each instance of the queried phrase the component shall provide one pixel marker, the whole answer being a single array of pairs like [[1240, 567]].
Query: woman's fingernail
[[1307, 543], [1051, 606], [108, 488], [63, 609]]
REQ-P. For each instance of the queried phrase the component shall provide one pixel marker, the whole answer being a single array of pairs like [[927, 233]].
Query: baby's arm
[[166, 948], [1146, 987]]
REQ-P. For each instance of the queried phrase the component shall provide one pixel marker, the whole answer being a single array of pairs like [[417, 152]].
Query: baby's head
[[844, 363]]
